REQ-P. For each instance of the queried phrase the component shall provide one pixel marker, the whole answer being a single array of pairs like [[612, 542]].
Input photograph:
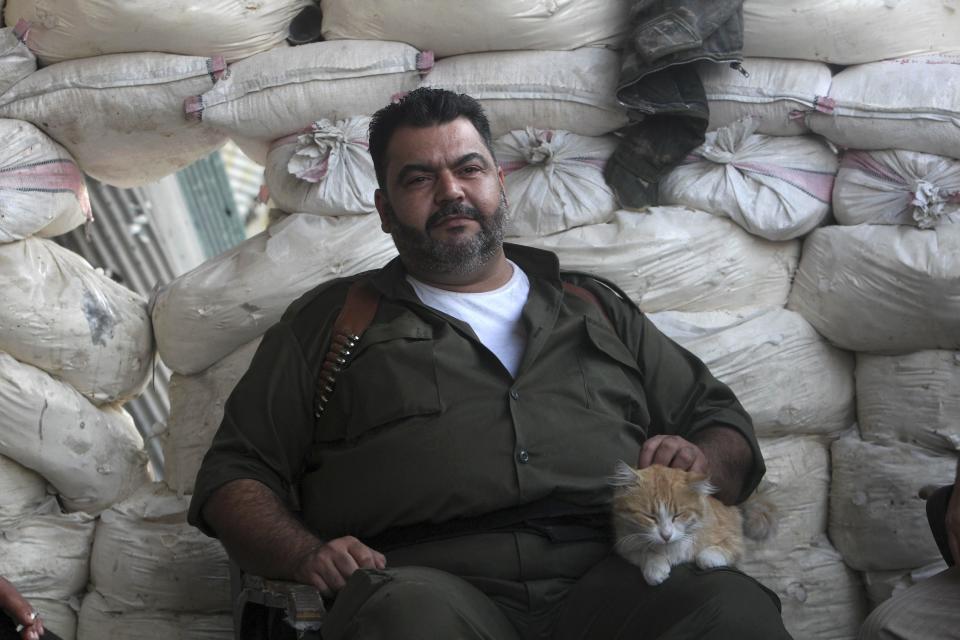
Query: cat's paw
[[656, 571], [712, 557]]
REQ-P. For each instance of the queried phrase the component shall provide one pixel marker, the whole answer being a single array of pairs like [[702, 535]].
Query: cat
[[663, 517]]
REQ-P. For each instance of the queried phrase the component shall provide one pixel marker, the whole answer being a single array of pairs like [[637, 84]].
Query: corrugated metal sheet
[[212, 205]]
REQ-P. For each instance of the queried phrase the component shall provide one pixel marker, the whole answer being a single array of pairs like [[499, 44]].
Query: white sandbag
[[75, 323], [554, 180], [569, 90], [877, 519], [775, 92], [326, 169], [229, 300], [911, 398], [675, 258], [21, 490], [883, 585], [146, 557], [42, 190], [16, 59], [46, 552], [911, 104], [120, 116], [897, 187], [789, 379], [797, 486], [882, 288], [92, 455], [69, 29], [279, 92], [450, 29], [822, 598], [849, 31], [777, 188], [196, 410], [100, 621]]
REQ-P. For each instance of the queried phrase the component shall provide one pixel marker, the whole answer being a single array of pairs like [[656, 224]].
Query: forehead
[[435, 145]]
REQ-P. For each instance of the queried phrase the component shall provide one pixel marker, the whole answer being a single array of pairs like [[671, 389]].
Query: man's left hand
[[673, 451]]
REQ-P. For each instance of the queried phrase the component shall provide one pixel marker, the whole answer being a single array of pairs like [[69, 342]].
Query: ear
[[503, 189], [701, 484], [623, 476], [380, 200]]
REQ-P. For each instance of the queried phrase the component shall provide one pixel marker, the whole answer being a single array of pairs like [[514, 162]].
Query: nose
[[448, 188], [665, 533]]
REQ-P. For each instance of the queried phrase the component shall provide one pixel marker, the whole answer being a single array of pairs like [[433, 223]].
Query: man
[[454, 483], [929, 610]]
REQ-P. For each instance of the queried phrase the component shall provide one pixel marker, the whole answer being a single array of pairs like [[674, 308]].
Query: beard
[[459, 256]]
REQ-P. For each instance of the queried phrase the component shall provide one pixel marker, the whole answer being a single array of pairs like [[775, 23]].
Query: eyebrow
[[426, 168]]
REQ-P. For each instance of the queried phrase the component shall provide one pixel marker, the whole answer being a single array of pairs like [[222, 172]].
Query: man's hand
[[328, 565], [20, 610], [673, 451], [953, 520]]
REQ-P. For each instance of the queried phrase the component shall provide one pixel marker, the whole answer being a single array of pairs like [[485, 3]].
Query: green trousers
[[521, 586]]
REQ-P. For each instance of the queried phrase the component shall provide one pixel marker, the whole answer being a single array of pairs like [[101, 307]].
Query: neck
[[492, 275]]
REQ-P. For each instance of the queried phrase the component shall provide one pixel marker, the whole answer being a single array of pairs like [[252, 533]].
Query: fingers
[[329, 566], [672, 451]]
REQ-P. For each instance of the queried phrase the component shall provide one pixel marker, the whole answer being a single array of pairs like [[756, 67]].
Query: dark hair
[[423, 107]]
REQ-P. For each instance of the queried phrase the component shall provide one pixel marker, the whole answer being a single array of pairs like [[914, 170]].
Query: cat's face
[[658, 506]]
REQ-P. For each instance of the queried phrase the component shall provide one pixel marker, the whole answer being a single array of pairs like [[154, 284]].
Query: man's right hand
[[327, 566]]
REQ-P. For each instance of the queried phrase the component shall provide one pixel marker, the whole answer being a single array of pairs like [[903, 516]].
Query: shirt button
[[514, 394], [523, 457]]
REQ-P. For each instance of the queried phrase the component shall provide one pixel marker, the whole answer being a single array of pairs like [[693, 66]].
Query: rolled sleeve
[[267, 426]]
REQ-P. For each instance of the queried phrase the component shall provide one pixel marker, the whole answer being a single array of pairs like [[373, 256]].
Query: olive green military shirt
[[425, 425]]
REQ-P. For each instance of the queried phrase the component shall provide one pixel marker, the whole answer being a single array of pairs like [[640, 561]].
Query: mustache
[[451, 210]]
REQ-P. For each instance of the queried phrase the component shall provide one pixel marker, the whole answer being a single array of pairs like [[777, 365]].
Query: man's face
[[444, 203]]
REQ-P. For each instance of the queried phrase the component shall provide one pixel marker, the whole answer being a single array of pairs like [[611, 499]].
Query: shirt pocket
[[391, 376], [613, 380]]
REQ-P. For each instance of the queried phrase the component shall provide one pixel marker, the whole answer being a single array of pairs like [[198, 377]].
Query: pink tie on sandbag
[[49, 176]]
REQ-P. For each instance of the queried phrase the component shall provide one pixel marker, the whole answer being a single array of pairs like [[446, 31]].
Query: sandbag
[[775, 92], [877, 519], [326, 169], [911, 398], [196, 410], [897, 187], [279, 92], [569, 90], [789, 379], [554, 180], [69, 29], [883, 585], [21, 490], [75, 323], [911, 104], [679, 259], [822, 598], [16, 59], [229, 300], [797, 486], [886, 289], [146, 557], [47, 553], [849, 31], [120, 116], [500, 25], [777, 188], [101, 621], [42, 190], [92, 455]]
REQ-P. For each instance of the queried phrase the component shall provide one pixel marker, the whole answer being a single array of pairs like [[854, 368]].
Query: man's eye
[[471, 170], [417, 180]]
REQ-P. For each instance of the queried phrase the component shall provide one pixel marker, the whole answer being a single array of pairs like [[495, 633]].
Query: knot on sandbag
[[930, 203], [723, 145], [539, 148], [310, 161]]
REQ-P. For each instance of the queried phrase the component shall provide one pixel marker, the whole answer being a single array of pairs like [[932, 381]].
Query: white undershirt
[[493, 315]]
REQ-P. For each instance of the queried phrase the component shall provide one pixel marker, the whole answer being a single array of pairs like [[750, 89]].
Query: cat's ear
[[623, 475], [701, 484]]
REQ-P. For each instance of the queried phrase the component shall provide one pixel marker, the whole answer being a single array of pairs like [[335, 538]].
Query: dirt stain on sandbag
[[100, 318]]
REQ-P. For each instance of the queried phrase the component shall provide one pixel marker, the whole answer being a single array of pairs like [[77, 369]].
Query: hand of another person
[[673, 451], [20, 611], [328, 566], [953, 521]]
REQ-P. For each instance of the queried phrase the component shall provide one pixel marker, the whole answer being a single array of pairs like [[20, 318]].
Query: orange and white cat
[[663, 517]]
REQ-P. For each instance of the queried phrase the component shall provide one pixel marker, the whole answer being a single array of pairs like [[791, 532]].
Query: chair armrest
[[301, 604]]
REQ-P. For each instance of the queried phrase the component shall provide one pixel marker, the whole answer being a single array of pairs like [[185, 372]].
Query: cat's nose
[[665, 534]]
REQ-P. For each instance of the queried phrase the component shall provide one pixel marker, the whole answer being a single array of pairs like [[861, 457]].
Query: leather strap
[[352, 321]]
